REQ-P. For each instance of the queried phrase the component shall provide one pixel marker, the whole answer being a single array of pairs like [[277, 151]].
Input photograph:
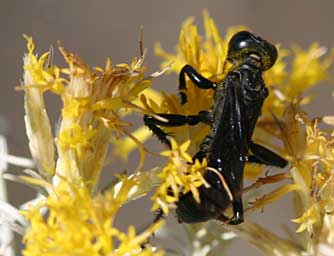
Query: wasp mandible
[[237, 104]]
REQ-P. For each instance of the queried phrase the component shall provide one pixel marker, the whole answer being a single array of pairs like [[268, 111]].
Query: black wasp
[[238, 101]]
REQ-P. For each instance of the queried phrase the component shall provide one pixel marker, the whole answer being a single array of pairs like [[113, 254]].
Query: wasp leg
[[173, 120], [238, 212], [204, 147], [159, 215], [196, 78], [262, 155]]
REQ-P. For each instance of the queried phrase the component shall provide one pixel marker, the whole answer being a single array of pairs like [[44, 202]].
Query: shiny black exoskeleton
[[238, 101]]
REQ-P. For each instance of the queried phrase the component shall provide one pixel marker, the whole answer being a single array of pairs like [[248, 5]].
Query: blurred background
[[98, 29]]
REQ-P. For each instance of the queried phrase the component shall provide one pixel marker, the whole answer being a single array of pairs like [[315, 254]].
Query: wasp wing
[[228, 146], [236, 156], [237, 117]]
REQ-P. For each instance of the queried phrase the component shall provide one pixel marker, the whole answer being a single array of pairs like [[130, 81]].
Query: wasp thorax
[[246, 47]]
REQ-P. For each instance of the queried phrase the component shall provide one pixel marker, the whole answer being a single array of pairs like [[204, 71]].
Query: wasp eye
[[244, 45]]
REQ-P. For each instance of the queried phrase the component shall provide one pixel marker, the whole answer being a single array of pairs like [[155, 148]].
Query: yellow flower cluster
[[79, 220], [78, 224], [178, 177], [308, 68], [93, 101], [309, 150], [316, 171], [38, 79]]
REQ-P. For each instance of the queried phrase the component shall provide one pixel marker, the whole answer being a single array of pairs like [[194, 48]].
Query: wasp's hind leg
[[262, 155], [238, 212], [199, 80], [159, 215], [173, 120]]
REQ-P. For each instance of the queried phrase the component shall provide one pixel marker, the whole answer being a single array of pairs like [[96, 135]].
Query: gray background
[[97, 29]]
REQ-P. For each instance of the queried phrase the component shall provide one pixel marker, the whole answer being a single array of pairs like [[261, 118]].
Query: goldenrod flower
[[37, 79], [309, 68], [80, 219], [93, 101], [178, 177], [78, 224]]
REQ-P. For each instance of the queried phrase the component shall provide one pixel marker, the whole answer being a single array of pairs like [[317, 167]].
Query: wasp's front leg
[[199, 80], [173, 120]]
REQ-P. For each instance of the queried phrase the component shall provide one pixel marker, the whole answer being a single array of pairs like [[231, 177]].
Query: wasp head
[[244, 46]]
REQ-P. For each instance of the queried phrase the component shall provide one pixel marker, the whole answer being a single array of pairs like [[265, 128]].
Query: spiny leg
[[159, 215], [263, 155], [199, 80], [173, 120]]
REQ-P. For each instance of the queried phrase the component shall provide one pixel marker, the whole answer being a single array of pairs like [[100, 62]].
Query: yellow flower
[[178, 177], [80, 220], [35, 80], [75, 137], [309, 218], [94, 102], [318, 198], [207, 55], [308, 69], [78, 224]]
